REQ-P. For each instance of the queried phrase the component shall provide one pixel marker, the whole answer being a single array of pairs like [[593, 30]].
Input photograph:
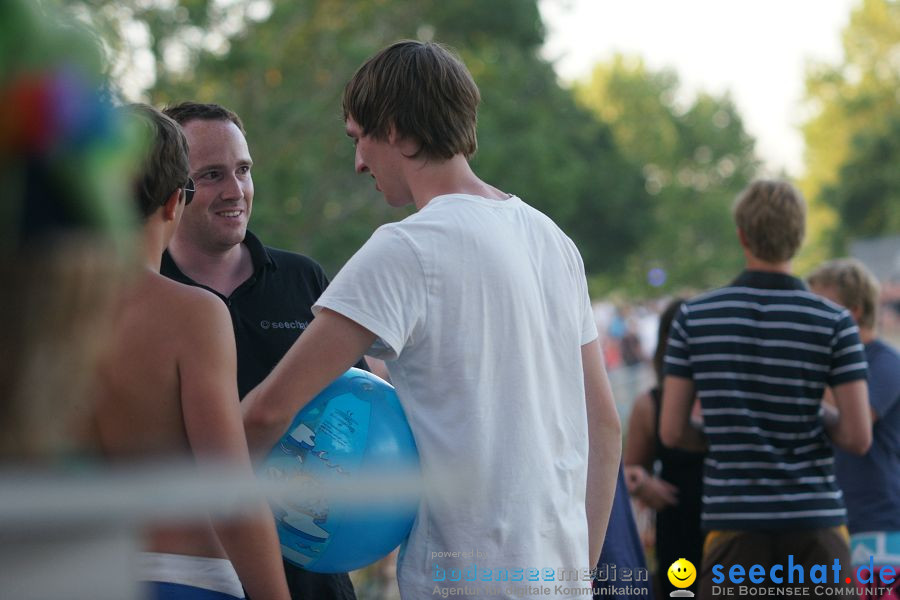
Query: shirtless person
[[168, 390]]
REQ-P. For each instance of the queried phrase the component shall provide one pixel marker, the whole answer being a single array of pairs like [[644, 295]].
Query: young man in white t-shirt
[[479, 305]]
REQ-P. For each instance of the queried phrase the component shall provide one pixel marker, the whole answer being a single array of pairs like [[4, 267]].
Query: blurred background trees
[[695, 157], [852, 149], [638, 173], [283, 72]]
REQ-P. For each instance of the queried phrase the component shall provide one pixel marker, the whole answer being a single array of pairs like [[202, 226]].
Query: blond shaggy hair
[[772, 217], [854, 285]]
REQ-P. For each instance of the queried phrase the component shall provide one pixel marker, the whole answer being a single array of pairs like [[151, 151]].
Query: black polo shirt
[[270, 310]]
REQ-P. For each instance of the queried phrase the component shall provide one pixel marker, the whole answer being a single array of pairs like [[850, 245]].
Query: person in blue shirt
[[871, 482]]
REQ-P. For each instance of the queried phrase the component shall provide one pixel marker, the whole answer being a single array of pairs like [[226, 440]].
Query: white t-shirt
[[480, 308]]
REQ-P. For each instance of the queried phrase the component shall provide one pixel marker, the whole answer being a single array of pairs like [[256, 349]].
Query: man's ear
[[392, 136], [408, 146], [170, 208], [742, 237]]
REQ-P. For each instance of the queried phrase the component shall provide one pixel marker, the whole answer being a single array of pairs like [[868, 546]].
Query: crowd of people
[[767, 427], [735, 448]]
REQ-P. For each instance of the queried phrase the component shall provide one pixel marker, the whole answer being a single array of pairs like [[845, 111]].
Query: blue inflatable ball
[[354, 428]]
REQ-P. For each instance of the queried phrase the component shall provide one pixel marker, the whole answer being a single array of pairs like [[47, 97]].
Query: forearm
[[830, 418], [850, 424], [846, 440], [692, 437], [603, 470], [677, 429], [251, 544], [262, 425], [269, 408], [330, 346], [605, 447]]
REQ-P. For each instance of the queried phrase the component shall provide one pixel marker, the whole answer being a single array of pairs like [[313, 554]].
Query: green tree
[[854, 105], [866, 195], [284, 74], [695, 158], [536, 142]]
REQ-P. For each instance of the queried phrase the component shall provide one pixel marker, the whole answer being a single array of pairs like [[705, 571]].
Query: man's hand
[[329, 346], [654, 492]]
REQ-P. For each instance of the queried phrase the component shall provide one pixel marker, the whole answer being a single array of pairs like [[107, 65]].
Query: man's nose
[[360, 164], [232, 188]]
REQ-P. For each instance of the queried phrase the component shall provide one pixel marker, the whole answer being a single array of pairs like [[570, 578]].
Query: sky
[[756, 49]]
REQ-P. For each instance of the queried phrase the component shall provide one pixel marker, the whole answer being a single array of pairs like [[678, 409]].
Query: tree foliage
[[695, 158], [866, 195], [851, 149], [284, 73]]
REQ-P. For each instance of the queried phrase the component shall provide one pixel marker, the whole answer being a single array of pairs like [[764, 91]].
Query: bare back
[[168, 390]]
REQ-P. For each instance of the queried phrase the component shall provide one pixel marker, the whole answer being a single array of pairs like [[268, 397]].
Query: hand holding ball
[[355, 428]]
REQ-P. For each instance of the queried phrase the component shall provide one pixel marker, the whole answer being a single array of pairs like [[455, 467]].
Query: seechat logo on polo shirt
[[296, 325]]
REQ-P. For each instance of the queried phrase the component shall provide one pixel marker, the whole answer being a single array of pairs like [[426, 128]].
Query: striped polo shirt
[[761, 353]]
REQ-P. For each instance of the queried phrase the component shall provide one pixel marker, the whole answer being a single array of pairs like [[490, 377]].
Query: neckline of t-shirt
[[508, 202]]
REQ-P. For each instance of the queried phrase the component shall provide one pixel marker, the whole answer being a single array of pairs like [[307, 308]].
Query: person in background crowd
[[674, 492], [871, 482], [759, 353]]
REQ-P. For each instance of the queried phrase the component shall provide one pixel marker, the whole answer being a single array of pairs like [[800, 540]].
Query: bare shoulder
[[168, 341], [191, 307]]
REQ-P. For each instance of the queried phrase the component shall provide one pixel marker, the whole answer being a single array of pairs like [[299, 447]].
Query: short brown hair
[[165, 166], [855, 286], [772, 217], [423, 91], [189, 111]]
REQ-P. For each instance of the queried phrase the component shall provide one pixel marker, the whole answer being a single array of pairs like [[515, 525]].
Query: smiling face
[[220, 162], [682, 573]]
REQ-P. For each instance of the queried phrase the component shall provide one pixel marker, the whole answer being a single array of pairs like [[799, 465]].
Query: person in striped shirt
[[760, 354]]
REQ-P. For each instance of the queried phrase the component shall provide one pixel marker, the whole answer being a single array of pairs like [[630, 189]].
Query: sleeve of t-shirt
[[677, 360], [588, 322], [382, 288], [848, 359], [320, 280]]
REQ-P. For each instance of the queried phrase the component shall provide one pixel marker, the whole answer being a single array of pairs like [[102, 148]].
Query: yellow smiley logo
[[682, 573]]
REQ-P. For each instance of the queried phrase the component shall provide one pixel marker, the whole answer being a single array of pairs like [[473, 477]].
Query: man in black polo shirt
[[760, 354], [268, 292]]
